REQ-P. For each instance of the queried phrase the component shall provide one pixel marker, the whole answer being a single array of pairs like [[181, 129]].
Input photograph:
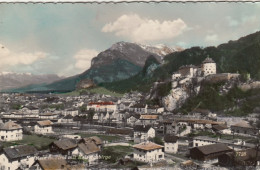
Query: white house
[[142, 133], [48, 116], [87, 151], [22, 156], [43, 127], [138, 108], [72, 112], [148, 152], [10, 131], [66, 119], [170, 143], [208, 67], [131, 120]]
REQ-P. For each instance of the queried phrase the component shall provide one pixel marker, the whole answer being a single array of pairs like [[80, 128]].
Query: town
[[95, 131]]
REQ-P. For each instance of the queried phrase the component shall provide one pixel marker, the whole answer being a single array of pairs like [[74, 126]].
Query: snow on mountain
[[15, 80], [159, 49]]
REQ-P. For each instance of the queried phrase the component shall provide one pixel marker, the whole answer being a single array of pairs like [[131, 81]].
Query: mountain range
[[124, 66], [121, 61], [10, 80], [239, 56]]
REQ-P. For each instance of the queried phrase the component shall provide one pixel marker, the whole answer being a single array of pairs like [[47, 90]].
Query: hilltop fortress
[[187, 82]]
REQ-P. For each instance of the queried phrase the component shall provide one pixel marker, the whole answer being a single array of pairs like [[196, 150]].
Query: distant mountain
[[121, 61], [134, 53], [242, 56], [10, 80]]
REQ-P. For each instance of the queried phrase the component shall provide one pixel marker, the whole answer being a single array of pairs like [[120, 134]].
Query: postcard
[[129, 85]]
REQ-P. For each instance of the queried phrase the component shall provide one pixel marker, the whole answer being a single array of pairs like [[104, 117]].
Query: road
[[169, 156]]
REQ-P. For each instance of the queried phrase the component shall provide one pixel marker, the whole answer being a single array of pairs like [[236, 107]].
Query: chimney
[[244, 143], [218, 139]]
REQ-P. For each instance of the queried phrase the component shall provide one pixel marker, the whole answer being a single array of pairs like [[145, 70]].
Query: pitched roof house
[[43, 127], [10, 131], [142, 133], [148, 152], [170, 143], [208, 152], [64, 146], [21, 156]]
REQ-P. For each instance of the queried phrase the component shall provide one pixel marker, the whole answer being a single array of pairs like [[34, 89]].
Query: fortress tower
[[208, 67]]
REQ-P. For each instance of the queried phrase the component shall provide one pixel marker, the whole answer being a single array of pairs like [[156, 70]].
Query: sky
[[63, 38]]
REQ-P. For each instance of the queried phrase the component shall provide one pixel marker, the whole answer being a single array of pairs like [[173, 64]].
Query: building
[[240, 158], [102, 106], [209, 152], [237, 144], [244, 128], [72, 112], [63, 147], [142, 133], [148, 119], [208, 67], [222, 129], [88, 152], [148, 152], [132, 119], [66, 119], [198, 123], [94, 139], [10, 131], [188, 71], [138, 108], [22, 156], [55, 163], [170, 143], [43, 127], [170, 127]]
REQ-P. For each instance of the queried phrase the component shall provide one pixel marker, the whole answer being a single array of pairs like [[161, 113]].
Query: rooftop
[[65, 144], [243, 124], [148, 116], [147, 146], [88, 147], [141, 128], [19, 151], [44, 123], [10, 126], [208, 60], [213, 148], [170, 138]]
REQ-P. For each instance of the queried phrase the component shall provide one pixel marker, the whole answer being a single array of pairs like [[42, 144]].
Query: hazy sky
[[63, 38]]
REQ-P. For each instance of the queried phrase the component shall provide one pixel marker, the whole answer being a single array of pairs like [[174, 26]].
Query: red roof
[[101, 103]]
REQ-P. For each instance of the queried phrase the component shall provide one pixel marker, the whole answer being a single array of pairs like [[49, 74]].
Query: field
[[113, 153], [223, 136], [103, 137], [96, 90], [40, 142]]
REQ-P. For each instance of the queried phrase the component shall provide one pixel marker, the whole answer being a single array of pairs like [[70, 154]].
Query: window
[[160, 156], [196, 144]]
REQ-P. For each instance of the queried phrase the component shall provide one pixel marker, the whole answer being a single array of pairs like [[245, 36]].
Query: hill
[[242, 56]]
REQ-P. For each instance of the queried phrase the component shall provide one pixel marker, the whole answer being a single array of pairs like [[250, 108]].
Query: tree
[[157, 140], [90, 114]]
